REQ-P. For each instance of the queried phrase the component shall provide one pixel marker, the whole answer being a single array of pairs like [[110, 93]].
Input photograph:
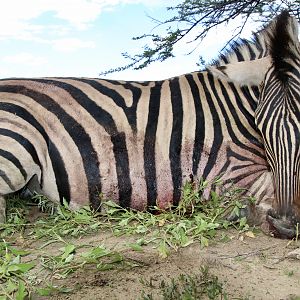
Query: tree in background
[[201, 16]]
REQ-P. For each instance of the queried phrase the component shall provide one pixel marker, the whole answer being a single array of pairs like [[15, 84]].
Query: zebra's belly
[[231, 165]]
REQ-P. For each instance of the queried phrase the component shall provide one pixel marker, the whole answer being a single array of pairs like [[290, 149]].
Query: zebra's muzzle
[[279, 228]]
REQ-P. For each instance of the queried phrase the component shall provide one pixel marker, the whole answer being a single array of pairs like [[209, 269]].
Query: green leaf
[[141, 229], [16, 260], [23, 268], [18, 252], [95, 253], [203, 241], [187, 243], [69, 258], [243, 222], [124, 222], [214, 196], [65, 203], [163, 250], [141, 241], [11, 287], [95, 225], [236, 211], [68, 249], [45, 291], [21, 292], [136, 247]]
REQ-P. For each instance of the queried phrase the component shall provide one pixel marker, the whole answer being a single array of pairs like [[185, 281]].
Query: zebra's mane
[[246, 50]]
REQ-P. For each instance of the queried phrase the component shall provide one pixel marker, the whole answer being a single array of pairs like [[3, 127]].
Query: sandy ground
[[253, 268]]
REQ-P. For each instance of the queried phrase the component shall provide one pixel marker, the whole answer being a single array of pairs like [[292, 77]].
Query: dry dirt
[[253, 268]]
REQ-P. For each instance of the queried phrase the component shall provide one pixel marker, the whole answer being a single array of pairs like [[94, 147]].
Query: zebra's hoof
[[279, 228]]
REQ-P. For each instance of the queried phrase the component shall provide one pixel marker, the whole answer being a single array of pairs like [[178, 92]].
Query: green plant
[[16, 217], [69, 260], [190, 287], [66, 223], [194, 220], [44, 204], [13, 273], [52, 289], [289, 273]]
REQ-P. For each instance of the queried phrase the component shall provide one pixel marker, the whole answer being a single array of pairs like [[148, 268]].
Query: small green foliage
[[13, 272], [66, 223], [16, 217], [189, 287], [51, 289], [61, 264], [289, 273], [103, 258], [68, 261], [17, 282], [44, 204], [194, 220], [135, 247]]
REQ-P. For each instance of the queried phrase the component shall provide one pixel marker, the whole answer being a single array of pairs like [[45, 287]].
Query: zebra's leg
[[2, 209]]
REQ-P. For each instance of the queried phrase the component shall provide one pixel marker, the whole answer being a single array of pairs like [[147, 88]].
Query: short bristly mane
[[246, 62], [245, 50]]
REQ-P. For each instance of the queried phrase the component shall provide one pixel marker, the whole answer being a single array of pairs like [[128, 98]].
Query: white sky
[[84, 37]]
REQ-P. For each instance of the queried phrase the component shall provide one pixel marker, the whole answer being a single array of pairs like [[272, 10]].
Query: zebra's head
[[278, 120], [277, 74]]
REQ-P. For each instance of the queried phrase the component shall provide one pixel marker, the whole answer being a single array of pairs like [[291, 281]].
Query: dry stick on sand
[[251, 253]]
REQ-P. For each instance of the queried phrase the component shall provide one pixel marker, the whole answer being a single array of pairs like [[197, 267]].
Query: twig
[[252, 253]]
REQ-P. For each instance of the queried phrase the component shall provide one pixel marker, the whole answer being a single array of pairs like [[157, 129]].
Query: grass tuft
[[191, 287]]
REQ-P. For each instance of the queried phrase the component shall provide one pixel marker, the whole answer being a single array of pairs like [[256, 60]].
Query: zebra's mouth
[[279, 228]]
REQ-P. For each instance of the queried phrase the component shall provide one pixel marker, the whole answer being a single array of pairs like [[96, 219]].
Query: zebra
[[137, 143], [277, 117]]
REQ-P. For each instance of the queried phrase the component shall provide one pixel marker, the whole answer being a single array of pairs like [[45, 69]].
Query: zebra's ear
[[243, 73], [284, 44]]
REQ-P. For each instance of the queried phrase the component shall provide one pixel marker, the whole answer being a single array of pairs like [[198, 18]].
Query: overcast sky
[[84, 37]]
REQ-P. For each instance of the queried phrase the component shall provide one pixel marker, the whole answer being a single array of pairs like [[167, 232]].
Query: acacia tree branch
[[203, 15]]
